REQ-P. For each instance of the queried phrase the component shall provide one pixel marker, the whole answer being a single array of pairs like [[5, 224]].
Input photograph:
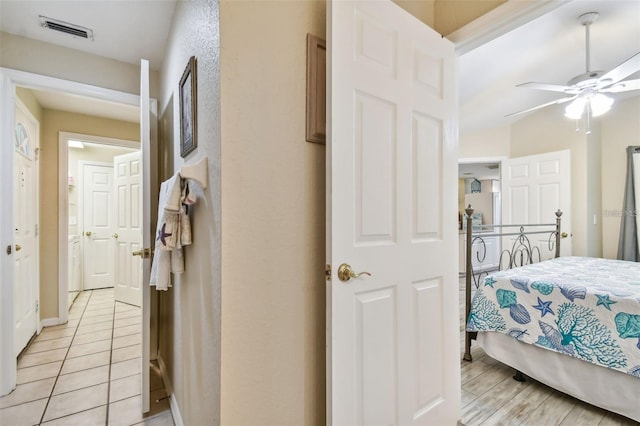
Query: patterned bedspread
[[587, 308]]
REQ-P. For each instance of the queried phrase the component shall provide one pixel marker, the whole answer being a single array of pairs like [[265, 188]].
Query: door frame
[[9, 79], [63, 209]]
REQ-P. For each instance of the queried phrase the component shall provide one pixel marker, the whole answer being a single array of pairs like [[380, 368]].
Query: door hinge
[[9, 249], [37, 306], [327, 272], [37, 152], [36, 230]]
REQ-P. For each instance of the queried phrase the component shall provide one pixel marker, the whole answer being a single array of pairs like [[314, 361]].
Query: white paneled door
[[533, 189], [392, 336], [25, 204], [98, 223], [128, 235], [148, 132]]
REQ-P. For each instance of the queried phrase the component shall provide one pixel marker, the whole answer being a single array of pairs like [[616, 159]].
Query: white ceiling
[[549, 49]]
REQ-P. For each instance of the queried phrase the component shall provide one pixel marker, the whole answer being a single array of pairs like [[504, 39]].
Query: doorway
[[10, 80], [100, 222], [479, 186]]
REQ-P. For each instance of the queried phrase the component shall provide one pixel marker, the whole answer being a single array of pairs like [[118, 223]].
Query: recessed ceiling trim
[[66, 27], [499, 21]]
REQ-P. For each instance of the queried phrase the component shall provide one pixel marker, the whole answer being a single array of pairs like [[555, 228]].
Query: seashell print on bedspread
[[583, 307]]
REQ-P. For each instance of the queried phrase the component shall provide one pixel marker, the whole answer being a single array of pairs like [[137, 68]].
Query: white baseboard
[[49, 322], [175, 411], [168, 387]]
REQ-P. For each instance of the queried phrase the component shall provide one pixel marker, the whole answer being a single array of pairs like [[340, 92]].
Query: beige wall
[[450, 15], [492, 143], [38, 57], [598, 163], [620, 128], [189, 315], [273, 324], [54, 122], [548, 131], [422, 9]]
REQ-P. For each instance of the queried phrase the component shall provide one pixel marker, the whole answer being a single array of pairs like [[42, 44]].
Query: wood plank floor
[[490, 396]]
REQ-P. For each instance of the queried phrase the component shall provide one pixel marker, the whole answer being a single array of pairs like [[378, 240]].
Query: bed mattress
[[586, 308]]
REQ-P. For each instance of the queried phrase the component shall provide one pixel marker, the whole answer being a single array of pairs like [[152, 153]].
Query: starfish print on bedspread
[[544, 307], [603, 299]]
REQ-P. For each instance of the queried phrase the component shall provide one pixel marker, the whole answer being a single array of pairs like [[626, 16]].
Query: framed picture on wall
[[316, 89], [188, 109]]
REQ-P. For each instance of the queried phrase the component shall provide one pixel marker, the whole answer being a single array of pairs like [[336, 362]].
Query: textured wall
[[273, 351], [189, 321], [38, 57]]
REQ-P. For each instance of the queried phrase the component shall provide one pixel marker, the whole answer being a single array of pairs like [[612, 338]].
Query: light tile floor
[[86, 372]]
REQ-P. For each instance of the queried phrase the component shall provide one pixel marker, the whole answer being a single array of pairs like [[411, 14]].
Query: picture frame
[[316, 89], [188, 108]]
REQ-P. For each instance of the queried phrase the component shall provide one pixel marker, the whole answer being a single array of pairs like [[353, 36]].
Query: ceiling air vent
[[65, 27]]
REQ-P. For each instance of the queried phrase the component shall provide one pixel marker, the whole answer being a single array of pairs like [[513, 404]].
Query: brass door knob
[[144, 253], [88, 233], [345, 273], [18, 247], [115, 235], [564, 235]]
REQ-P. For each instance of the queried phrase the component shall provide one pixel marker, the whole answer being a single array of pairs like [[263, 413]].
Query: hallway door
[[128, 236], [148, 134], [98, 221], [25, 204], [393, 335]]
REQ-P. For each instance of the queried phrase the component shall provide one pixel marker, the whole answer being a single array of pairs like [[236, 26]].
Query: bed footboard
[[519, 252]]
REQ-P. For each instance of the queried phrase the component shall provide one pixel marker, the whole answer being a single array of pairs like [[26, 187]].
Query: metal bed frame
[[520, 253]]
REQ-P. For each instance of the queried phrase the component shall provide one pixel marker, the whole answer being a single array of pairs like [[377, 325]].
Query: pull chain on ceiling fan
[[587, 91]]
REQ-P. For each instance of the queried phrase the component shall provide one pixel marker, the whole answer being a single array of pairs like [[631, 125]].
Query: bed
[[572, 323]]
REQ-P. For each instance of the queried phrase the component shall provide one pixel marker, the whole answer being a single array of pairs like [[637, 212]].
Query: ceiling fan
[[587, 91]]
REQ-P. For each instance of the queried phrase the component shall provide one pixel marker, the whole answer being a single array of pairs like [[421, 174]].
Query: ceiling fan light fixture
[[600, 104], [575, 109]]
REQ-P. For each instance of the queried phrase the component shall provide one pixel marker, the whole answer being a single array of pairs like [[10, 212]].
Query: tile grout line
[[113, 326], [63, 360]]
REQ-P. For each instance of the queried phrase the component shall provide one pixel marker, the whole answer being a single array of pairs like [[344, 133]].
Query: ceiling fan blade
[[557, 101], [550, 87], [623, 86], [622, 71]]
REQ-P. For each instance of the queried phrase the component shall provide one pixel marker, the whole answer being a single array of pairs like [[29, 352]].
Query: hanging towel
[[173, 230]]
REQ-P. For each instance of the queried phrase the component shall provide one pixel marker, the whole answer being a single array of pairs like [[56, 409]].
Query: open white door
[[533, 189], [128, 206], [145, 153], [25, 205], [392, 337]]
